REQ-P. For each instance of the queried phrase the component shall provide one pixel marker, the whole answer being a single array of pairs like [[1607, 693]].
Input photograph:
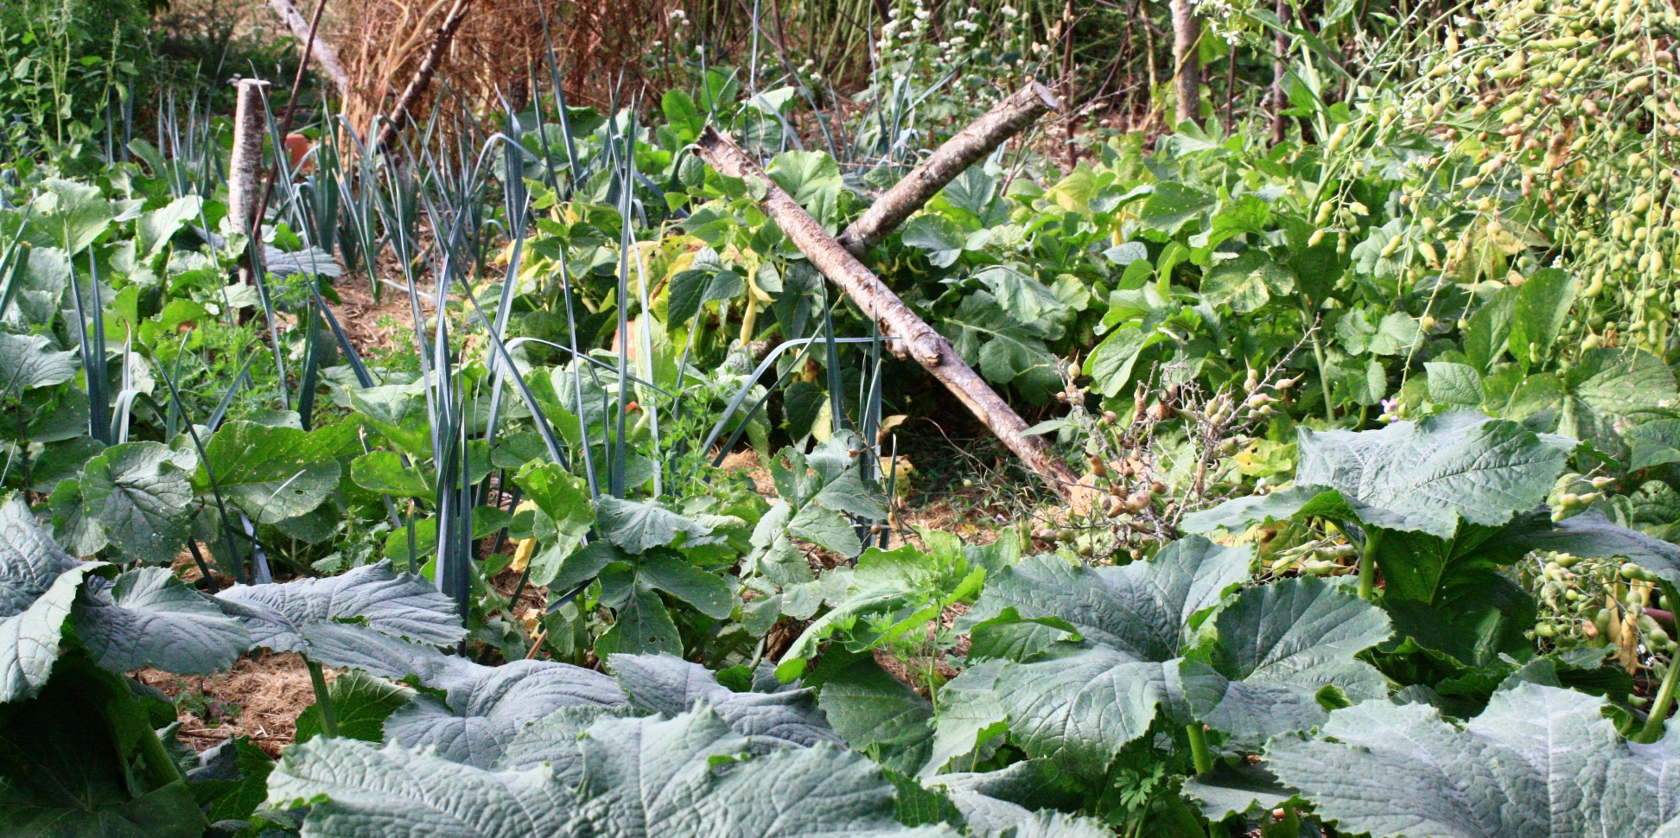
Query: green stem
[[1665, 694], [1318, 355], [1368, 564], [318, 680], [1199, 748], [161, 770]]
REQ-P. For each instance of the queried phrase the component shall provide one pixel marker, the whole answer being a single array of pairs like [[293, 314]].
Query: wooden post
[[914, 337], [968, 147], [245, 179], [1187, 62]]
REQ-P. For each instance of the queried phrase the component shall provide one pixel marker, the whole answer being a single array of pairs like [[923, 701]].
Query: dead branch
[[423, 75], [914, 337], [324, 56], [968, 147]]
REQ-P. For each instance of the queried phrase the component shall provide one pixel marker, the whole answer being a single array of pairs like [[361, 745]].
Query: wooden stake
[[969, 146], [250, 124], [914, 337], [1187, 63]]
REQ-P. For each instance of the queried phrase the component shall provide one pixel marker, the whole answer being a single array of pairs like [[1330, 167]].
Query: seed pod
[[1138, 501]]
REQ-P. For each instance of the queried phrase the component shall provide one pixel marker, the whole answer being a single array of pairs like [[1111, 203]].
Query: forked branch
[[915, 338]]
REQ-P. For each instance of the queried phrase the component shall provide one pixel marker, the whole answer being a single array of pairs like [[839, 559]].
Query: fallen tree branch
[[423, 75], [968, 147], [323, 54], [915, 338]]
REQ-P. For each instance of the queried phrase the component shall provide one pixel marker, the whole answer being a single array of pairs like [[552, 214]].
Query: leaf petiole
[[1653, 729], [1368, 564], [318, 680], [1199, 747]]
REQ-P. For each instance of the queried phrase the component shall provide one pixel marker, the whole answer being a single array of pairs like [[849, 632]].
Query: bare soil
[[260, 697]]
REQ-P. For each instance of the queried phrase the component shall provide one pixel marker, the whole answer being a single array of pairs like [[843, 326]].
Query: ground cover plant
[[1314, 473]]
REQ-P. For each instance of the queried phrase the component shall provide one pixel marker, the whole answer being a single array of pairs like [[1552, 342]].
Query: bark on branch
[[1187, 62], [323, 54], [423, 75], [969, 146], [914, 337]]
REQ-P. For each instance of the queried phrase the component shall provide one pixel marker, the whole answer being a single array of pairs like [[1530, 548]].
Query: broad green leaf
[[641, 626], [148, 617], [1654, 443], [1279, 646], [273, 473], [813, 179], [1489, 330], [356, 789], [564, 501], [1542, 307], [1475, 617], [28, 362], [1080, 709], [647, 777], [1172, 206], [1011, 636], [1144, 609], [969, 716], [369, 618], [1454, 384], [637, 526], [671, 572], [1539, 761], [384, 472], [1427, 475], [1110, 364], [1020, 295], [69, 764], [155, 228], [1247, 282], [231, 779], [361, 704], [786, 716], [488, 706], [1004, 347], [936, 235], [1300, 500], [878, 715], [139, 496], [825, 528], [72, 214], [1607, 385], [38, 586], [1361, 380]]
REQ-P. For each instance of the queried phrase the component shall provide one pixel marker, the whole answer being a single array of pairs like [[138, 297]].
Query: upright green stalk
[[1199, 747], [1368, 564], [318, 680], [1653, 729]]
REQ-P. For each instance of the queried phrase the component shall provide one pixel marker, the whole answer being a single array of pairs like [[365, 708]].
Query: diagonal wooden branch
[[423, 75], [915, 338], [969, 146], [324, 56]]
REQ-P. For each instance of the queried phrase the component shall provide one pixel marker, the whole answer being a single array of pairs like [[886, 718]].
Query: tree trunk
[[1187, 63], [423, 75], [908, 334], [323, 54], [968, 147], [1280, 69]]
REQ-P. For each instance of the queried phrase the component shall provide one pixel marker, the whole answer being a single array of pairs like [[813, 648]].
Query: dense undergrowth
[[1379, 423]]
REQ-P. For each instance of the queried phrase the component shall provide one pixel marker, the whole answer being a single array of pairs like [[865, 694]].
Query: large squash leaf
[[148, 617], [138, 493], [783, 717], [1540, 761], [370, 618], [1428, 475], [38, 584], [486, 707], [271, 472]]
